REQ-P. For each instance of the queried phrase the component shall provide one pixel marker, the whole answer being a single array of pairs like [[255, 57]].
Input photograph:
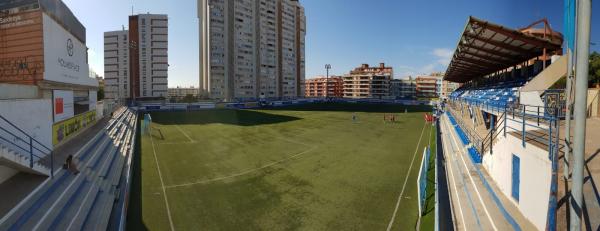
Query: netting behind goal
[[422, 180]]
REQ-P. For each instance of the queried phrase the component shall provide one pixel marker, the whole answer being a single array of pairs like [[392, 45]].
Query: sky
[[414, 37]]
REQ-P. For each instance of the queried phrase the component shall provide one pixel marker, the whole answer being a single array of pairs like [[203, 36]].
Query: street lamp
[[327, 67]]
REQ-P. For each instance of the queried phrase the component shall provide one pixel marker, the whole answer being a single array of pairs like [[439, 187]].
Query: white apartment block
[[251, 49], [116, 64], [136, 60]]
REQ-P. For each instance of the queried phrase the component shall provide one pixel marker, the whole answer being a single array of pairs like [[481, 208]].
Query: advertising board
[[63, 130], [65, 57], [62, 104]]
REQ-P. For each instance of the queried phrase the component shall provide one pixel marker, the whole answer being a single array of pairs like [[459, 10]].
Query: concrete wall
[[593, 102], [18, 91], [33, 116], [535, 171], [6, 173]]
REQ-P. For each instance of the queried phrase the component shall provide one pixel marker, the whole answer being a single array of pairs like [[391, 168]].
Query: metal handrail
[[30, 147]]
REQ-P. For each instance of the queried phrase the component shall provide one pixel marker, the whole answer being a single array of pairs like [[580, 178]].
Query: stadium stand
[[497, 90], [81, 201], [492, 117]]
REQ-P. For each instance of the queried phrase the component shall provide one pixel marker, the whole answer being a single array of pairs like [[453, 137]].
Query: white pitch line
[[405, 180], [162, 186], [294, 141], [487, 213], [454, 183], [185, 134], [244, 172], [175, 143]]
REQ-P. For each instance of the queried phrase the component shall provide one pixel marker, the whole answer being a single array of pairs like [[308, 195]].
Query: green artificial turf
[[307, 167]]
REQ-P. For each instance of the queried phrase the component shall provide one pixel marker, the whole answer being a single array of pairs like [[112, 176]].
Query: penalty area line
[[185, 134]]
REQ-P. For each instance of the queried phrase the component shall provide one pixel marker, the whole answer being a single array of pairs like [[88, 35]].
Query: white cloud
[[96, 61], [443, 56]]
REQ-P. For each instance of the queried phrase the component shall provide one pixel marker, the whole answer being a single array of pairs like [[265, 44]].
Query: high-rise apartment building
[[136, 60], [251, 49], [368, 82], [116, 64]]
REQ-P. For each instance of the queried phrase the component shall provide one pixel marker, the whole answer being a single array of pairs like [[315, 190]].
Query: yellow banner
[[63, 130]]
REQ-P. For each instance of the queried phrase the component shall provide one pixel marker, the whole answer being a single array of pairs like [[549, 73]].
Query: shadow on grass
[[135, 220], [223, 116], [355, 107]]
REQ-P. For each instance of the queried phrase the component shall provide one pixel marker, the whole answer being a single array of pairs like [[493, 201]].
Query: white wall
[[536, 173], [17, 91], [6, 173], [32, 116]]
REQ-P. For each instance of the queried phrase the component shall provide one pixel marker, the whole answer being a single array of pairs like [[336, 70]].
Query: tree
[[189, 98], [594, 78], [100, 94]]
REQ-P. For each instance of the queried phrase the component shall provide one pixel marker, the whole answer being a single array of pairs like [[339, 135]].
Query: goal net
[[422, 180]]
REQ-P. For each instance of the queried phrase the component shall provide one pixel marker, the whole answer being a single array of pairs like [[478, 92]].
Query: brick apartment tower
[[136, 60], [317, 87], [251, 49]]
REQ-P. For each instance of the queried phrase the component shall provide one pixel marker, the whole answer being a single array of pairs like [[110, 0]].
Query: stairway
[[22, 152], [83, 201], [21, 162]]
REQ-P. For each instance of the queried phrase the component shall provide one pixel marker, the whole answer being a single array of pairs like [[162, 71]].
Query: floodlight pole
[[581, 89], [327, 68]]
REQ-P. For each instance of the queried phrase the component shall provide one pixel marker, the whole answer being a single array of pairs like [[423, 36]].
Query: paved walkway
[[591, 186], [474, 205]]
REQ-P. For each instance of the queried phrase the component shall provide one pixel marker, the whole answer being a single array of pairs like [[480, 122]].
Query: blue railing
[[18, 140]]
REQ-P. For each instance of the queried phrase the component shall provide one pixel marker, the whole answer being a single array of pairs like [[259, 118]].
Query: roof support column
[[581, 88]]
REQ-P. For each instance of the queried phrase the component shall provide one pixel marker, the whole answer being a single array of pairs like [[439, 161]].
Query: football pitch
[[304, 167]]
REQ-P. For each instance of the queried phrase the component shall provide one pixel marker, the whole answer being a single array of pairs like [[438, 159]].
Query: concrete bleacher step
[[35, 213], [106, 211], [102, 208], [67, 203], [77, 213], [85, 201]]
